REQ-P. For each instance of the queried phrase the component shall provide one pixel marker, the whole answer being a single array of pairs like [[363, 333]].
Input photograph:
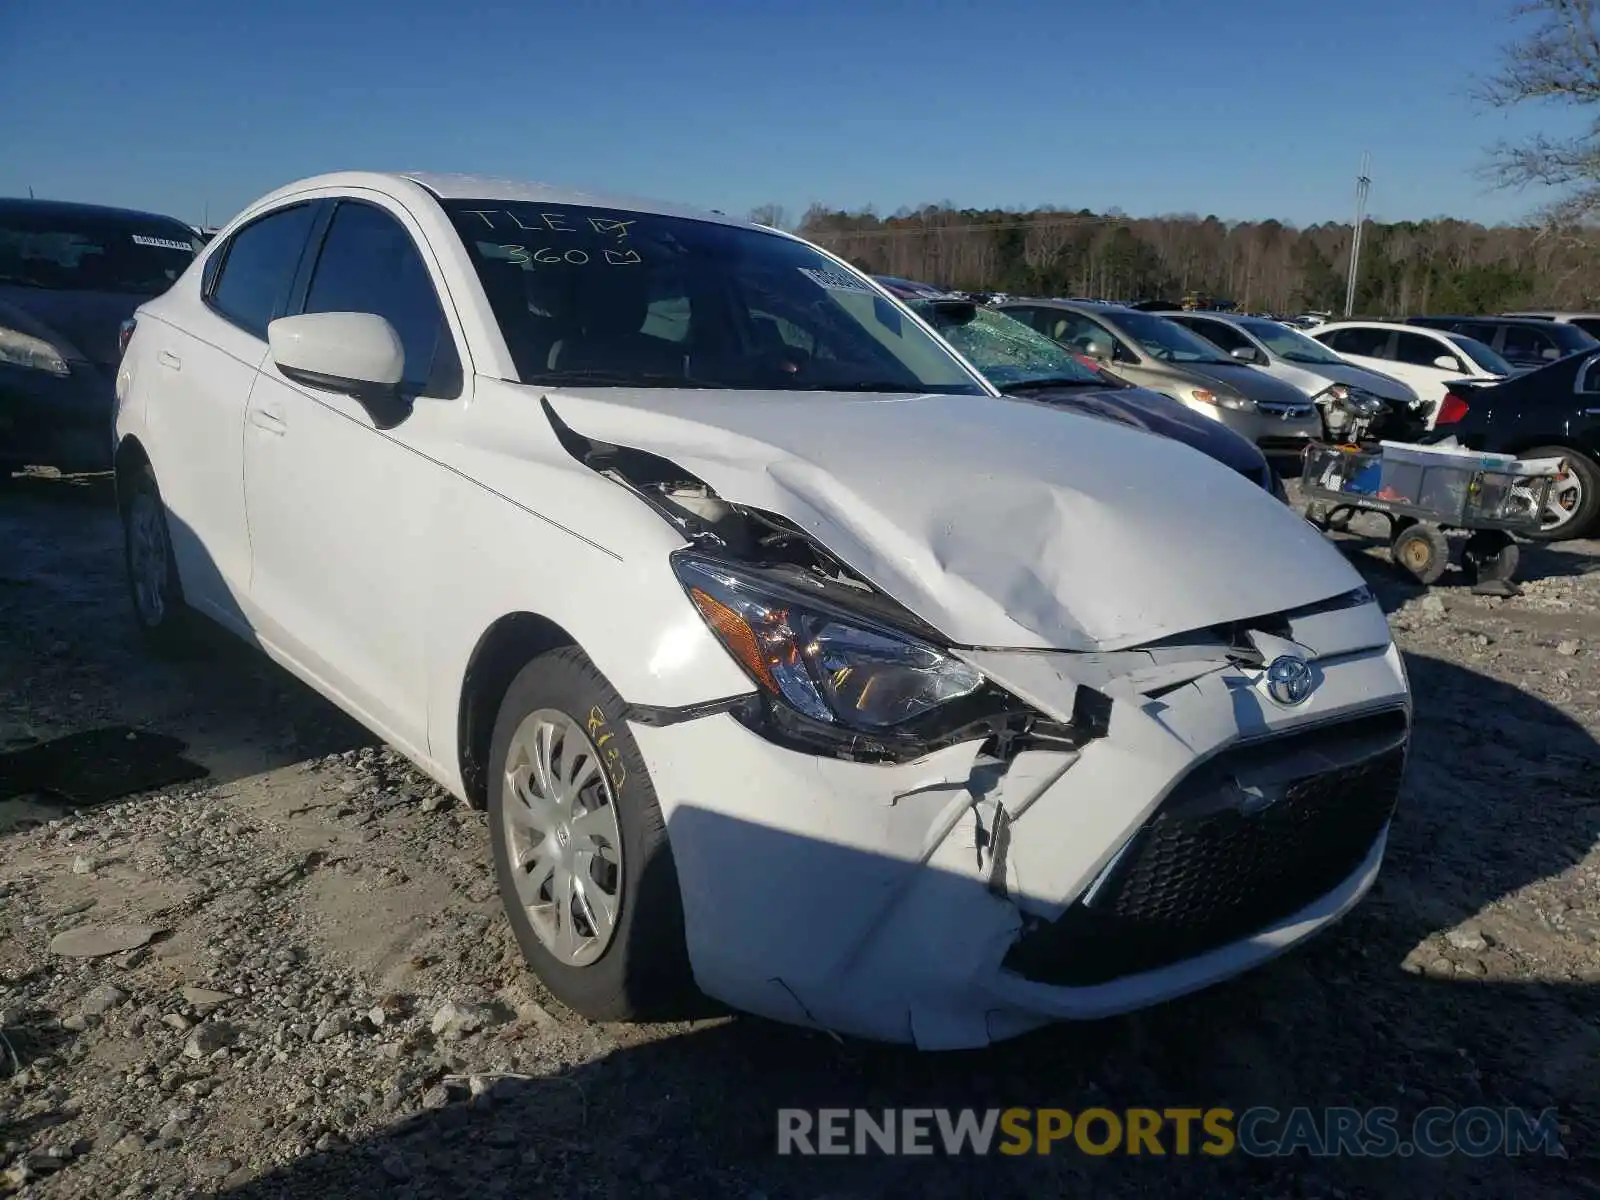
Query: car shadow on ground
[[1381, 1011], [71, 659]]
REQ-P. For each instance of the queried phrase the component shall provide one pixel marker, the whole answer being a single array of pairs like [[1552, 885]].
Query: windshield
[[1003, 348], [69, 252], [1482, 355], [1289, 344], [602, 297], [1164, 339]]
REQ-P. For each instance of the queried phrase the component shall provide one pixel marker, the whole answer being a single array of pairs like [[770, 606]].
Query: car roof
[[1070, 305], [1554, 314], [1482, 320], [485, 187], [71, 208]]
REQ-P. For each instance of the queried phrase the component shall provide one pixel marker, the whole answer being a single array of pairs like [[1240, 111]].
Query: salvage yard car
[[1155, 353], [1025, 365], [792, 663], [70, 274], [1322, 376]]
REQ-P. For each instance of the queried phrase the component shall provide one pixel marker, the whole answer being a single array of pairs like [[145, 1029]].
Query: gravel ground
[[329, 1004]]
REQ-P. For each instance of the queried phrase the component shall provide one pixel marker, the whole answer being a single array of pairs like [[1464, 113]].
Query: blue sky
[[1245, 109]]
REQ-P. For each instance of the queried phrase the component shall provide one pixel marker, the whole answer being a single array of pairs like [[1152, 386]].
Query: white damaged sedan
[[793, 665]]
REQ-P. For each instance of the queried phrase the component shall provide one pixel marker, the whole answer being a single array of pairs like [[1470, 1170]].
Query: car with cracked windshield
[[1158, 354], [795, 667], [1027, 366]]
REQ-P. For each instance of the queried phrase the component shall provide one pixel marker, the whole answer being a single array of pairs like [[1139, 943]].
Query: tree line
[[1439, 265]]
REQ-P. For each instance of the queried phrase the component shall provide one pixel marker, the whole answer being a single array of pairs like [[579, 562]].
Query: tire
[[1491, 555], [1422, 550], [154, 589], [641, 971], [1582, 483]]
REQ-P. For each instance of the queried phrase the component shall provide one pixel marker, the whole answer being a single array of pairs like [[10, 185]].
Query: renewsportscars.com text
[[1211, 1132]]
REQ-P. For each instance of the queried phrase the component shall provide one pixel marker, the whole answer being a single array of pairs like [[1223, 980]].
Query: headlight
[[825, 663], [24, 350], [1207, 396]]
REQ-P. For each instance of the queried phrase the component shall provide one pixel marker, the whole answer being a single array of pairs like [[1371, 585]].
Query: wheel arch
[[130, 456], [500, 653]]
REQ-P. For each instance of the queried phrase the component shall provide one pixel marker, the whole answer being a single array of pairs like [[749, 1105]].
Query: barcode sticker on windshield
[[834, 281], [139, 239]]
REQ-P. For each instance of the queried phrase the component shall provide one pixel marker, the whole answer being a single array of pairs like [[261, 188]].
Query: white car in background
[[1429, 360], [789, 659]]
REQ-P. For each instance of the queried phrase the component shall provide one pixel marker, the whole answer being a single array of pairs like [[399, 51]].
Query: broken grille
[[1242, 843]]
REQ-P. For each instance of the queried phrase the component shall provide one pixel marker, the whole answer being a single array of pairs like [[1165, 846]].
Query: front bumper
[[50, 420], [1288, 429], [920, 902]]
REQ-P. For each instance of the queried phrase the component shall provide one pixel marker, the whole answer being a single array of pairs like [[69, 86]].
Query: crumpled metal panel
[[1001, 524]]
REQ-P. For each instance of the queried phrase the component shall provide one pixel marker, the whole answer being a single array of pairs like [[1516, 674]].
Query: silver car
[[1312, 368], [1157, 354]]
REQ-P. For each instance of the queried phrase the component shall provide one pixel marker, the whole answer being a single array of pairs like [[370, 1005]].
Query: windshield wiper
[[642, 379], [1057, 381]]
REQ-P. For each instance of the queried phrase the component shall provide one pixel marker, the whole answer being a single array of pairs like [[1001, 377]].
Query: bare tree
[[1557, 61], [771, 215]]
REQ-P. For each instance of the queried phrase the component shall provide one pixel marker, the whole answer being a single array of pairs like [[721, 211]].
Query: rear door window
[[1527, 344], [1219, 333], [1362, 342], [251, 285]]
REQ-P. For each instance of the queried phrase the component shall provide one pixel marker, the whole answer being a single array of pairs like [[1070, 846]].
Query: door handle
[[269, 419], [168, 359]]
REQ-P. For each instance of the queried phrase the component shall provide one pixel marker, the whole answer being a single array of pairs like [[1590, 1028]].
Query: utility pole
[[1363, 185]]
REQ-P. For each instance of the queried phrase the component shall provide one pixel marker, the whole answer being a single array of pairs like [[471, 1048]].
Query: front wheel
[[580, 848], [153, 586], [1574, 501]]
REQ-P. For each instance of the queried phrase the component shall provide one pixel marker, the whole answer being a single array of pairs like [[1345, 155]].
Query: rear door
[[341, 511], [196, 407]]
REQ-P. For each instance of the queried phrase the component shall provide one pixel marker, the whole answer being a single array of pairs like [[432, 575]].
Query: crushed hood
[[1002, 525]]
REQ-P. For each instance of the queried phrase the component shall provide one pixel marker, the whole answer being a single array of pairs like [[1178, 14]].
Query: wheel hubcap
[[560, 820], [1566, 497], [147, 550]]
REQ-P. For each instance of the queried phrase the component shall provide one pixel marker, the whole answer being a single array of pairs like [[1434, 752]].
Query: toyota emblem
[[1289, 680]]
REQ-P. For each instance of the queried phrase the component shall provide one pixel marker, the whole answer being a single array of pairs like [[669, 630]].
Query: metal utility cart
[[1425, 491]]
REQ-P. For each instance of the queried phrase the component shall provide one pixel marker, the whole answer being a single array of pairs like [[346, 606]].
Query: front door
[[342, 511]]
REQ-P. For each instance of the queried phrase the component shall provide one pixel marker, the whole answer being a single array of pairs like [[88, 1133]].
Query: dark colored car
[[1551, 412], [1026, 365], [70, 274], [1525, 342], [909, 289]]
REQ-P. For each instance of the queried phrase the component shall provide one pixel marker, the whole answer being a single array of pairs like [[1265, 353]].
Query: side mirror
[[356, 354], [1445, 363], [1550, 354], [1096, 349], [1247, 354]]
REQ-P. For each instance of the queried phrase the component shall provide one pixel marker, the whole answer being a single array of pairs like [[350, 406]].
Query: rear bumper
[[898, 902], [47, 420]]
